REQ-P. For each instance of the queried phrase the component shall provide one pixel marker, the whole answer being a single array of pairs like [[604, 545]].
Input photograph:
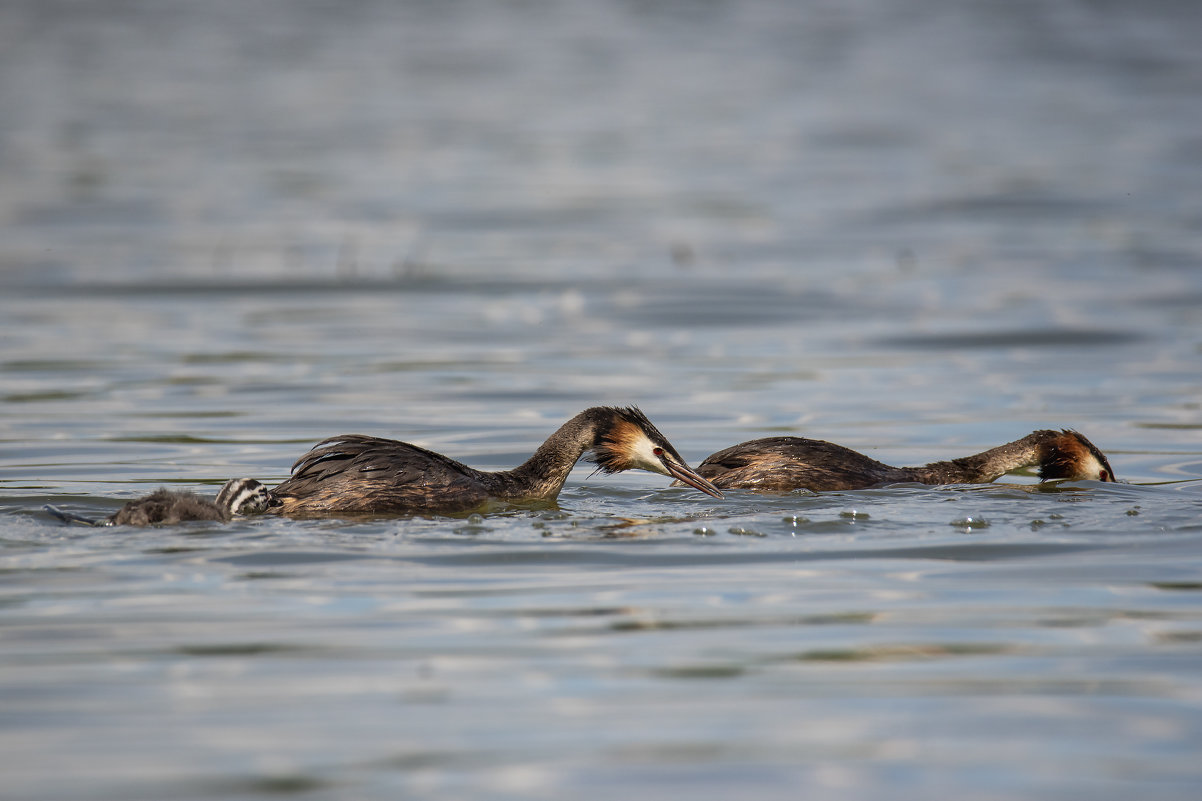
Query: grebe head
[[1071, 456], [243, 496], [629, 441]]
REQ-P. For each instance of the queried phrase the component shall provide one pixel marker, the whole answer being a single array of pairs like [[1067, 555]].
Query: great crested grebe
[[787, 463], [356, 474], [239, 496]]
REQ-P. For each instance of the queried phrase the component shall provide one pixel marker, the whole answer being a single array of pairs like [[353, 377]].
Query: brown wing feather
[[371, 475], [788, 463]]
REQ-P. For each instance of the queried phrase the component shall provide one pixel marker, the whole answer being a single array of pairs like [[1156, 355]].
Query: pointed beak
[[683, 474]]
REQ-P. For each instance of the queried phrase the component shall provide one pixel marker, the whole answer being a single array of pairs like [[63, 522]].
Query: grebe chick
[[355, 474], [239, 496], [788, 463]]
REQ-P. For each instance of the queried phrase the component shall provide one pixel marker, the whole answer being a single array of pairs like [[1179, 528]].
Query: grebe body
[[239, 496], [780, 464], [356, 474]]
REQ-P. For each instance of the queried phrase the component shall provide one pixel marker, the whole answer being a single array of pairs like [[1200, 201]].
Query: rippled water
[[921, 231]]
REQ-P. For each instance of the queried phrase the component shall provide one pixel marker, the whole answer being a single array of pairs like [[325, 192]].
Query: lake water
[[921, 230]]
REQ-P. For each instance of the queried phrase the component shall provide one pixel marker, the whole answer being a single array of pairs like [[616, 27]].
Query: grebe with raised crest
[[356, 474]]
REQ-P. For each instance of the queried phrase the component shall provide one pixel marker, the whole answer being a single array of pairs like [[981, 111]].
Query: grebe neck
[[987, 466], [543, 474]]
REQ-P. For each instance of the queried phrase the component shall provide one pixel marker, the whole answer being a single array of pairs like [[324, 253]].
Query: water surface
[[920, 232]]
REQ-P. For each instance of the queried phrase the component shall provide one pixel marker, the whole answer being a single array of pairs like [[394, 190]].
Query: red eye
[[658, 451]]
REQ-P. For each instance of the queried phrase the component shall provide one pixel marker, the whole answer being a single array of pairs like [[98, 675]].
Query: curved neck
[[984, 467], [542, 475]]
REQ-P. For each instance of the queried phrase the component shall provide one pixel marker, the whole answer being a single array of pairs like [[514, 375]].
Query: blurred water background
[[921, 229]]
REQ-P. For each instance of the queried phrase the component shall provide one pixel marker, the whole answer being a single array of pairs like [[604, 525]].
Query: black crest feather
[[615, 438]]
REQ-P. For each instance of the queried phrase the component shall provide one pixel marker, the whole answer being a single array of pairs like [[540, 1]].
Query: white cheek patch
[[1091, 468], [642, 456]]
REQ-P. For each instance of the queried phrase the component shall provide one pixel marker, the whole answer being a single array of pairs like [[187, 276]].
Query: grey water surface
[[229, 230]]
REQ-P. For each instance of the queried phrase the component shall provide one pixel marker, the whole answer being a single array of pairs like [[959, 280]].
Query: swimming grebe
[[239, 496], [788, 463], [357, 474]]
